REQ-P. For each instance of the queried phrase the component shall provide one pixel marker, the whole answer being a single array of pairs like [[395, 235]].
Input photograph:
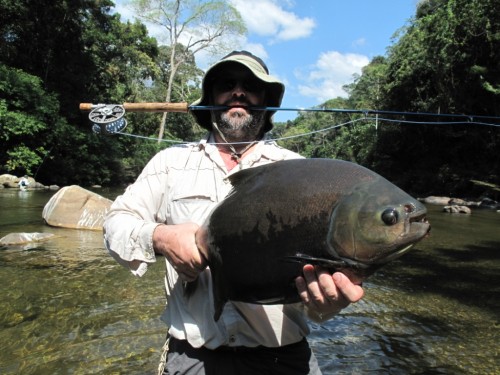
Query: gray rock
[[456, 209]]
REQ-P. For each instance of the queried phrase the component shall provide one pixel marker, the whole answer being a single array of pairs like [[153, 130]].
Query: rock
[[489, 204], [23, 238], [458, 202], [12, 182], [443, 201], [11, 185], [77, 208], [37, 185], [8, 178], [456, 209]]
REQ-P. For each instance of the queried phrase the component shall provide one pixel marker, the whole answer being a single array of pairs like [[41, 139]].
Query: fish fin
[[307, 259], [245, 174], [220, 291]]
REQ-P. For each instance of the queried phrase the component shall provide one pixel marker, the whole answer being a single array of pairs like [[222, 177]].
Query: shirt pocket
[[190, 204]]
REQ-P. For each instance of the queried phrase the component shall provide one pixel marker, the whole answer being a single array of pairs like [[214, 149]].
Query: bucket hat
[[273, 87]]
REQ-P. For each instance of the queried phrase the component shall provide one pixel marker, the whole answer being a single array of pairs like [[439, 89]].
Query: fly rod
[[109, 118]]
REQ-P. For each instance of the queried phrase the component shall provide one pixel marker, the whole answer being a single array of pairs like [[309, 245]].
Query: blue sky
[[313, 46]]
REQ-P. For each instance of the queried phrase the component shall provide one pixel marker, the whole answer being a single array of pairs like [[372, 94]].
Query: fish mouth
[[419, 225]]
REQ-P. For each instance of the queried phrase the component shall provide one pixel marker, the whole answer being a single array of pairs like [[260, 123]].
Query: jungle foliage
[[56, 54], [445, 60]]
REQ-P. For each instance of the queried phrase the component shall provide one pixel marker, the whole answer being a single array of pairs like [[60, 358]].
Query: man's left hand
[[325, 294]]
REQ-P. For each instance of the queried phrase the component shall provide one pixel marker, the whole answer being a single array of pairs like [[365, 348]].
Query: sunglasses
[[223, 84]]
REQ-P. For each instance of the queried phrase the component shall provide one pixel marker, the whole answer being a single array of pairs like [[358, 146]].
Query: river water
[[68, 308]]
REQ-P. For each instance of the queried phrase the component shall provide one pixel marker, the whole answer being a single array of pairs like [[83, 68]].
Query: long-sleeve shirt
[[182, 184]]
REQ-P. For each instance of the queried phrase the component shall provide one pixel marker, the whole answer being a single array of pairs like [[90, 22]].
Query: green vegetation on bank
[[55, 54]]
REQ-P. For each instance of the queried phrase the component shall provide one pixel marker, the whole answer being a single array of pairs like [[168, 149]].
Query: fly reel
[[108, 118]]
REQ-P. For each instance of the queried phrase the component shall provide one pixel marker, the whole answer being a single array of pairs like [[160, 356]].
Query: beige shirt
[[182, 184]]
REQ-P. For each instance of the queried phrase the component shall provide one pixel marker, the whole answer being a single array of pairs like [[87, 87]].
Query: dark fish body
[[283, 215]]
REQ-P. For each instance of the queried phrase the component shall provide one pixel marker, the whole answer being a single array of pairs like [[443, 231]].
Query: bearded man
[[160, 213]]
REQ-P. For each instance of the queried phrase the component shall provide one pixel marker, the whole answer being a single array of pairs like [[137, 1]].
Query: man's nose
[[238, 89]]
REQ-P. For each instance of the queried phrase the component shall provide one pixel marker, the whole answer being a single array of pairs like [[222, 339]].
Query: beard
[[240, 126]]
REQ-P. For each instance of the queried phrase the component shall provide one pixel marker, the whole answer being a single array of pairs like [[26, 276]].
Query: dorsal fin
[[246, 174]]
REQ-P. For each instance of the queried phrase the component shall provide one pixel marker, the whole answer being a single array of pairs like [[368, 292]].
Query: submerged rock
[[24, 238]]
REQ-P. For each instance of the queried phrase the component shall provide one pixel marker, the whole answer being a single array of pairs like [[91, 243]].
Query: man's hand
[[177, 244], [325, 294]]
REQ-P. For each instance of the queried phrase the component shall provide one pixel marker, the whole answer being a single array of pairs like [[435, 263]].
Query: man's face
[[239, 89]]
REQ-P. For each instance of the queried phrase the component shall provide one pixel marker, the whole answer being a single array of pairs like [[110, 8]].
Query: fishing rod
[[109, 118]]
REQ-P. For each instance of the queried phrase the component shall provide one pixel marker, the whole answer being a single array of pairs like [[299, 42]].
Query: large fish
[[283, 215]]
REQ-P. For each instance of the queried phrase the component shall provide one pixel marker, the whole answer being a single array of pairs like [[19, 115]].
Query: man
[[161, 212]]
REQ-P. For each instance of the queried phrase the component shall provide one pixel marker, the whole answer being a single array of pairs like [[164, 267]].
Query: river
[[68, 308]]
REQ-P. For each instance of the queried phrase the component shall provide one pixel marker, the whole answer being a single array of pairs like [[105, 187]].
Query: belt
[[239, 349], [245, 349]]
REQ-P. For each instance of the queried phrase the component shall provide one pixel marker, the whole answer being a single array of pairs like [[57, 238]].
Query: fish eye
[[390, 216]]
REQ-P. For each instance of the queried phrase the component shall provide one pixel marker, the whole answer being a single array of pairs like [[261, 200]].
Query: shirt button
[[232, 339]]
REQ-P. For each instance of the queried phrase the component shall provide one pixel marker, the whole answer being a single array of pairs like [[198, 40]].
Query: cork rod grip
[[144, 107]]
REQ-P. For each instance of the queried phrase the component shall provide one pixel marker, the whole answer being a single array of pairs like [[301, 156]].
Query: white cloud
[[324, 80], [268, 18], [359, 42]]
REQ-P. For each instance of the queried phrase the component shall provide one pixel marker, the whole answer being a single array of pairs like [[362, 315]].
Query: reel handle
[[143, 107]]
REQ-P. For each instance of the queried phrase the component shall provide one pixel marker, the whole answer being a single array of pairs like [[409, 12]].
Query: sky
[[313, 46]]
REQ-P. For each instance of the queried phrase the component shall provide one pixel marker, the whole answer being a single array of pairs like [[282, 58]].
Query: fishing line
[[366, 112], [323, 130], [109, 118]]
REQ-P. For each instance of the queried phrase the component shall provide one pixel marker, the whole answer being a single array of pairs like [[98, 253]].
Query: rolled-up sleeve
[[133, 217]]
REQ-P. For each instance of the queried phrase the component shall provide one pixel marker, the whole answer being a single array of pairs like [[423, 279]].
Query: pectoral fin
[[307, 259]]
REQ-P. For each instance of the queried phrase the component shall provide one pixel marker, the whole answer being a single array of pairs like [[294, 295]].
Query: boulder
[[12, 182], [489, 204], [443, 201], [459, 202], [8, 178], [24, 238], [11, 185], [77, 208], [456, 209]]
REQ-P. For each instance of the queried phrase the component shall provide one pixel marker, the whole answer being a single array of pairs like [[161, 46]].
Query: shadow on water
[[470, 275]]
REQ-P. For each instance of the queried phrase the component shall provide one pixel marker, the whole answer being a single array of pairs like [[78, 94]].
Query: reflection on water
[[67, 307]]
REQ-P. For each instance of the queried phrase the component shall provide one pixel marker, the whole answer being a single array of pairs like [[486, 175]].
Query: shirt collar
[[266, 148]]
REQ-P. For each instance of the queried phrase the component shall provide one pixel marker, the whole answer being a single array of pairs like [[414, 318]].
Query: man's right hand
[[177, 243]]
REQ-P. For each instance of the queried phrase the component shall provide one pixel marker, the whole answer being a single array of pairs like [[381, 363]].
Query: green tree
[[335, 134], [81, 53], [445, 61], [26, 109]]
